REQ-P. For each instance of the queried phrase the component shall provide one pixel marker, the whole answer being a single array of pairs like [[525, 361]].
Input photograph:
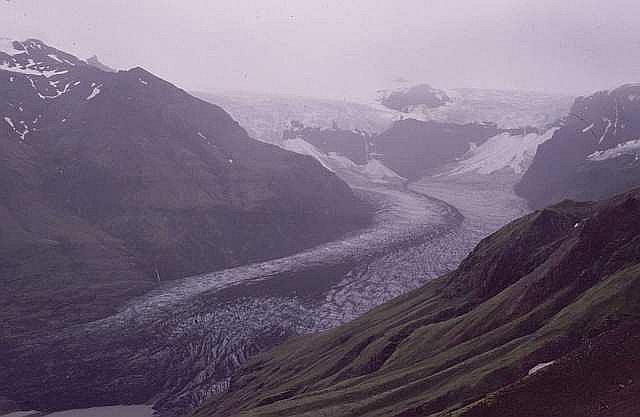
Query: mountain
[[406, 99], [541, 319], [414, 148], [114, 181], [595, 154], [354, 144], [507, 109]]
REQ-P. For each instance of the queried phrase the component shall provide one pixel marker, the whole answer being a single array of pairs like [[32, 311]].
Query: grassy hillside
[[539, 290]]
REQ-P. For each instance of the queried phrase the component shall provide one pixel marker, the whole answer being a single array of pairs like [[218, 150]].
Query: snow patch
[[95, 92], [21, 133], [606, 131], [588, 128], [373, 171], [9, 122], [29, 71], [539, 367], [55, 58], [143, 82], [629, 147]]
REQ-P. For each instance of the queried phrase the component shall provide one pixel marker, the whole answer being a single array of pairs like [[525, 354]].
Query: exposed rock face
[[559, 287], [354, 144], [594, 155], [419, 95], [95, 62], [113, 181], [414, 148]]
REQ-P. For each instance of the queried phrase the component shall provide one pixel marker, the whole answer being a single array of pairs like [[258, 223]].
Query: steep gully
[[188, 337]]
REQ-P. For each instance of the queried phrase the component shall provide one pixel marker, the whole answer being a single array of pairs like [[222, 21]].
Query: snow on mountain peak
[[34, 57]]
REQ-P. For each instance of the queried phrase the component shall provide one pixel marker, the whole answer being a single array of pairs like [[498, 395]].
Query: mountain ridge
[[593, 155], [102, 167], [529, 294]]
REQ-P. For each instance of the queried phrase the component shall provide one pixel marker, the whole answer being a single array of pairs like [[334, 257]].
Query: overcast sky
[[347, 49]]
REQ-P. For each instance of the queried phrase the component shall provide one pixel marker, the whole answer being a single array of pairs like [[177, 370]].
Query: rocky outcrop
[[415, 148], [419, 95]]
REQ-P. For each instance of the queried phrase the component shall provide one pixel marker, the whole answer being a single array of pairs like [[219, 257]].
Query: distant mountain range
[[113, 181]]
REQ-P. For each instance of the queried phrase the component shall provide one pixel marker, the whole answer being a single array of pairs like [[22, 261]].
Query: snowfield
[[507, 109], [504, 151], [266, 116], [373, 171]]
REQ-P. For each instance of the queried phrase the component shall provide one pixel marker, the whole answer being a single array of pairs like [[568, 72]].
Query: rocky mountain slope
[[113, 181], [354, 144], [595, 154], [541, 318], [414, 148]]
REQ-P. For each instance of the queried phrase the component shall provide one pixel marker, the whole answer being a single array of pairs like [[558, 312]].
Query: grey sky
[[347, 48]]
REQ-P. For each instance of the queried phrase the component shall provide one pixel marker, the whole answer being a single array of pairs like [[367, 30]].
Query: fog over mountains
[[329, 208], [286, 47]]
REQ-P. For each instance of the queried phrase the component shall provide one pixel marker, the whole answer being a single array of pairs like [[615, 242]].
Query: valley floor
[[189, 337]]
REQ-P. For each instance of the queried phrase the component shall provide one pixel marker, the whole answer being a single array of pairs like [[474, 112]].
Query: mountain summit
[[113, 181]]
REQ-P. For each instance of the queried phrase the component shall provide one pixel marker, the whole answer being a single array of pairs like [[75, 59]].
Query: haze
[[348, 49]]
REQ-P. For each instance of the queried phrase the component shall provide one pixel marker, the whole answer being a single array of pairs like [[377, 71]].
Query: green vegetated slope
[[561, 284]]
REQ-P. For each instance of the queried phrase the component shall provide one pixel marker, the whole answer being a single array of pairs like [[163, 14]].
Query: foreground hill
[[594, 155], [541, 318], [112, 181]]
